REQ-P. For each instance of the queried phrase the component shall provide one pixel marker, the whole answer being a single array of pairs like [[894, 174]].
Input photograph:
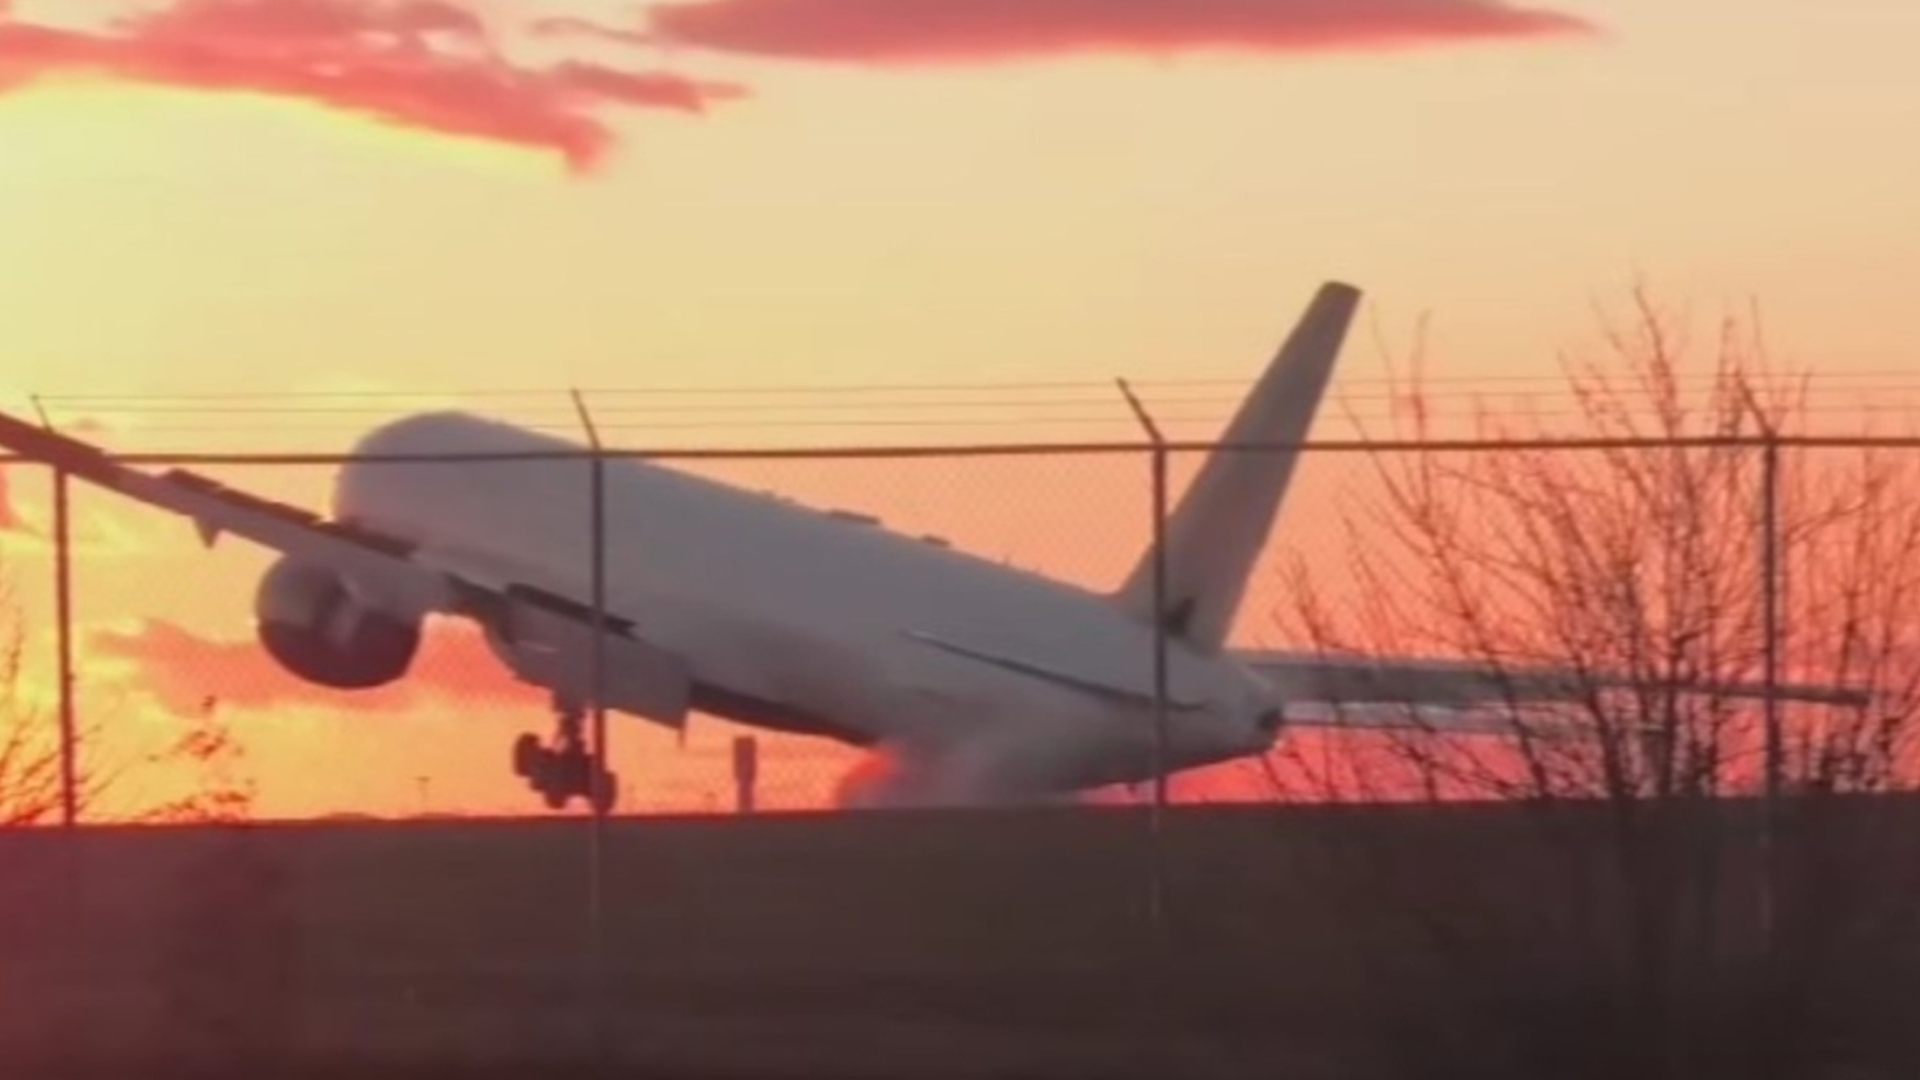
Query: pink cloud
[[189, 673], [569, 26], [426, 65], [967, 30], [10, 519]]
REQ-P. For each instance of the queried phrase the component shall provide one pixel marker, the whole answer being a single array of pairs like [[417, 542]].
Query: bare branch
[[1645, 562]]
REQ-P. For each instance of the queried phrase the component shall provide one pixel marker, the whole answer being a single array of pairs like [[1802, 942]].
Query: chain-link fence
[[1674, 587]]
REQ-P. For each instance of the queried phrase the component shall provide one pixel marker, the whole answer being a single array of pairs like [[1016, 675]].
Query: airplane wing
[[1331, 677], [546, 638]]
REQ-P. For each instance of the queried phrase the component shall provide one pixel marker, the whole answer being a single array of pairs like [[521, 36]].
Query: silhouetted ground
[[873, 945]]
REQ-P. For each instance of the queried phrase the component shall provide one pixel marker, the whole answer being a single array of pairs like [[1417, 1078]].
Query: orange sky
[[882, 213]]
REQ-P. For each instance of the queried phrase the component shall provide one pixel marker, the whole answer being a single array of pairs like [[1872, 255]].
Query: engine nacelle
[[312, 626]]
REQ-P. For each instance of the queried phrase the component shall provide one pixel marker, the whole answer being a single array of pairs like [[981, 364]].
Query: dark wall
[[878, 944]]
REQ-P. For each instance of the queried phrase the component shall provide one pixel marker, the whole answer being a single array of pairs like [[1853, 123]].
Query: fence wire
[[170, 691], [1759, 560]]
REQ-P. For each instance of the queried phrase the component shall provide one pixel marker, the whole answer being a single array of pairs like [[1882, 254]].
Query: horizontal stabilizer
[[1438, 719], [1310, 676]]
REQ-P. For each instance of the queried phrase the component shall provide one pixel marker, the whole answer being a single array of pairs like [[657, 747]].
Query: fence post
[[1158, 459], [596, 674], [68, 1039], [1774, 751], [69, 1017], [63, 629], [1160, 756], [63, 632]]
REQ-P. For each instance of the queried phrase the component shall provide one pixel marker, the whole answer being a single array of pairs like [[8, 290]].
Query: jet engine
[[309, 622]]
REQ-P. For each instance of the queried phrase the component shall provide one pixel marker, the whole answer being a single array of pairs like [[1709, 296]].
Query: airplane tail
[[1216, 531]]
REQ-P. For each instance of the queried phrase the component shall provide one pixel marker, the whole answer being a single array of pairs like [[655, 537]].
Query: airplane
[[982, 683]]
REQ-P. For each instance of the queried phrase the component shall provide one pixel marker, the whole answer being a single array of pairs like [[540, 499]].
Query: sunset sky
[[400, 203]]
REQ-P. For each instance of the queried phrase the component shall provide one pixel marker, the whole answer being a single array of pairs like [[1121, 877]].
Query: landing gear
[[564, 770]]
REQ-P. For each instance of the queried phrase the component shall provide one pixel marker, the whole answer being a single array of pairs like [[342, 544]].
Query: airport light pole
[[1159, 460], [596, 677]]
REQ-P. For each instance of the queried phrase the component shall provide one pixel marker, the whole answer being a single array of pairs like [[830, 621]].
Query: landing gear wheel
[[564, 770], [528, 756]]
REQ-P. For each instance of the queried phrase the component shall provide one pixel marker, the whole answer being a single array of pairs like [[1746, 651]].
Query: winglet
[[43, 444]]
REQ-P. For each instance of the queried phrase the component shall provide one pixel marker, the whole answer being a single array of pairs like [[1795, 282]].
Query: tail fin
[[1215, 533]]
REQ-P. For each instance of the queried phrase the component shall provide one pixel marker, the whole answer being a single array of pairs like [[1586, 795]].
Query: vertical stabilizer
[[1219, 526]]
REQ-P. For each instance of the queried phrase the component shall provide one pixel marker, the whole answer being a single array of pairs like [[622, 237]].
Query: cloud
[[563, 26], [910, 31], [426, 65], [189, 673], [10, 519]]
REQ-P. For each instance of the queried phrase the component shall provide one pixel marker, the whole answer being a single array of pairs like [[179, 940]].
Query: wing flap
[[548, 640]]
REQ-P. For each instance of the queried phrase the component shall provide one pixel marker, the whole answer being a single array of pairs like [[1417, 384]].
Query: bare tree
[[30, 754], [225, 794], [44, 910], [30, 765], [1626, 908]]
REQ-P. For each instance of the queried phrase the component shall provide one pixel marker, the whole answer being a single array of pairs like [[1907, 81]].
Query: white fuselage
[[783, 611]]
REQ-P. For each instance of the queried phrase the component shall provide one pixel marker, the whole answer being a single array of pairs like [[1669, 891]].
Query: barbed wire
[[1875, 397], [1105, 391], [1012, 411], [1009, 449], [618, 421]]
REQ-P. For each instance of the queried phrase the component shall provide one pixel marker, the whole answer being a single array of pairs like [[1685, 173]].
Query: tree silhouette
[[1639, 913], [30, 755], [30, 772]]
